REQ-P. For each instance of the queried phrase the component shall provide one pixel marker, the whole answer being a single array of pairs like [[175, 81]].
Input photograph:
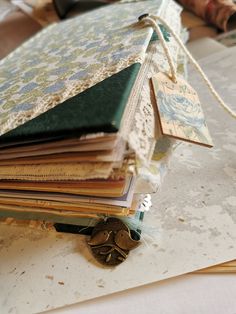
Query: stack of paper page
[[63, 157], [79, 120]]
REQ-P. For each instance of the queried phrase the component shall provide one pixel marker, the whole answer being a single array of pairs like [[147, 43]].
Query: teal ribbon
[[165, 34]]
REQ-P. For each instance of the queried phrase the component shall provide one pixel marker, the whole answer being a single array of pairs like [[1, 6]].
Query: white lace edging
[[138, 126]]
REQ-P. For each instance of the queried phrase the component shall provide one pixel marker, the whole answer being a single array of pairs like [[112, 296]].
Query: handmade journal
[[85, 131]]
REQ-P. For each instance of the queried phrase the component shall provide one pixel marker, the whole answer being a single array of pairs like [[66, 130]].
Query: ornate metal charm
[[111, 242]]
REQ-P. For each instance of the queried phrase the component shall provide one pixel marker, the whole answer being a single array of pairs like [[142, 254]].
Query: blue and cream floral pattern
[[67, 58], [180, 110]]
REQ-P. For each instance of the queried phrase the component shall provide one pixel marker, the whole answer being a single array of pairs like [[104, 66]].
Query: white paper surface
[[195, 294]]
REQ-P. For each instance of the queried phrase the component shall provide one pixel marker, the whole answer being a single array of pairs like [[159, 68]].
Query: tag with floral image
[[180, 111]]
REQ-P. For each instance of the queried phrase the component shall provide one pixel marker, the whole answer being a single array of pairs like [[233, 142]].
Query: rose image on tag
[[179, 109]]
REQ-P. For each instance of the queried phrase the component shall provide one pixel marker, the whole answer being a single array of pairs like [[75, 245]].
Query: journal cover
[[97, 109], [87, 65]]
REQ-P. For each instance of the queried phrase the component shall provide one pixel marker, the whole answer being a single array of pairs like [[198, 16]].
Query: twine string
[[156, 27], [152, 20]]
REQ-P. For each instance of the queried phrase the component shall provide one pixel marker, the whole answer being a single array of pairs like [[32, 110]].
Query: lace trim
[[55, 172], [69, 171], [142, 133]]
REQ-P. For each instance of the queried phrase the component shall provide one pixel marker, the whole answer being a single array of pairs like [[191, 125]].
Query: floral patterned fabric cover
[[67, 58]]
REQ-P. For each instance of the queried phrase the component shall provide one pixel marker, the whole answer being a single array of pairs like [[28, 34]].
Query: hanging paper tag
[[180, 112]]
